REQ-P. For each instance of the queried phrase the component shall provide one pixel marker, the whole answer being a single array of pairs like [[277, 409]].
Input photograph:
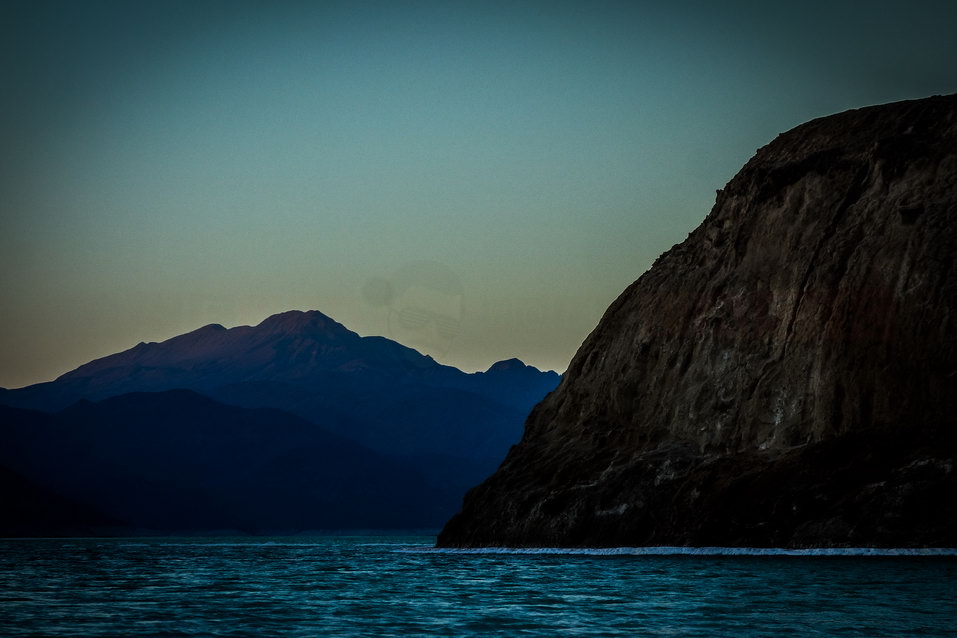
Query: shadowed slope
[[178, 461]]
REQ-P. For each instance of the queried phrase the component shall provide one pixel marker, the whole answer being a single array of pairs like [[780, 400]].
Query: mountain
[[428, 422], [786, 376], [30, 510], [177, 461], [371, 390]]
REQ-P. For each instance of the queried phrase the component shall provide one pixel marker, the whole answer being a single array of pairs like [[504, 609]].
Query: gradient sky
[[164, 165]]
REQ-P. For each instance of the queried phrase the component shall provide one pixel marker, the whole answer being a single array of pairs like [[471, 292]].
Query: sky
[[479, 180]]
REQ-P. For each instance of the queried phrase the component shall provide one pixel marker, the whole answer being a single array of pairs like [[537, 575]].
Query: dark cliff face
[[785, 376]]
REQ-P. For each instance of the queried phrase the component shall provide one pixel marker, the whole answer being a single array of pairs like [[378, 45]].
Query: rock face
[[786, 376]]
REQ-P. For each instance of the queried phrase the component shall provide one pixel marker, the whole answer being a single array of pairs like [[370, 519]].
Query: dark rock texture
[[786, 376]]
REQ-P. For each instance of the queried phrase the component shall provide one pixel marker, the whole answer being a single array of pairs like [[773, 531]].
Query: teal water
[[399, 586]]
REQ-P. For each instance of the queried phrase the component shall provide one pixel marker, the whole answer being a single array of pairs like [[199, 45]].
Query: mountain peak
[[207, 330], [301, 322], [507, 364], [212, 327]]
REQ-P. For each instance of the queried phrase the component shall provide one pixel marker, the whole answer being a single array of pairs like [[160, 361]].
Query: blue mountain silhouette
[[440, 428]]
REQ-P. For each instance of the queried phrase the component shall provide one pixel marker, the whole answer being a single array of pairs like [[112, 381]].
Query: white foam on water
[[698, 551]]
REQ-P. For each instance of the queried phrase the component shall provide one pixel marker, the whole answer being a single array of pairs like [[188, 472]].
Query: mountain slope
[[30, 510], [368, 389], [176, 461], [785, 376]]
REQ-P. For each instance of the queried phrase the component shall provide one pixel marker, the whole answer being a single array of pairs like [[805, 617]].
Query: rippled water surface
[[375, 586]]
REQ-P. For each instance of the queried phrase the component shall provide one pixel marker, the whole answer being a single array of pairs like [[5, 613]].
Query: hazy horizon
[[476, 180]]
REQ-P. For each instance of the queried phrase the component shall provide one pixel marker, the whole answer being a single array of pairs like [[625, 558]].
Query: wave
[[697, 551]]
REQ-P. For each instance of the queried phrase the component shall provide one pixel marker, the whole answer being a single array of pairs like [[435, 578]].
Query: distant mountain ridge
[[289, 346], [310, 365], [450, 427]]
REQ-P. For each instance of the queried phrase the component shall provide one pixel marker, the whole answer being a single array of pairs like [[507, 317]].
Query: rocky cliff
[[786, 376]]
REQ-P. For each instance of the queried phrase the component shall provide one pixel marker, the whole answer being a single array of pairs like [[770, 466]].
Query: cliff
[[786, 376]]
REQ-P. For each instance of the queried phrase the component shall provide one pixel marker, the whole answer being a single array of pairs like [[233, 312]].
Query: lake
[[400, 586]]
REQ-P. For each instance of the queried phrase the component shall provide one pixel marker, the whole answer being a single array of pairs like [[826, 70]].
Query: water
[[398, 586]]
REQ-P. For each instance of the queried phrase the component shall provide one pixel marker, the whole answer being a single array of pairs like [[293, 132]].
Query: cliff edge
[[786, 376]]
